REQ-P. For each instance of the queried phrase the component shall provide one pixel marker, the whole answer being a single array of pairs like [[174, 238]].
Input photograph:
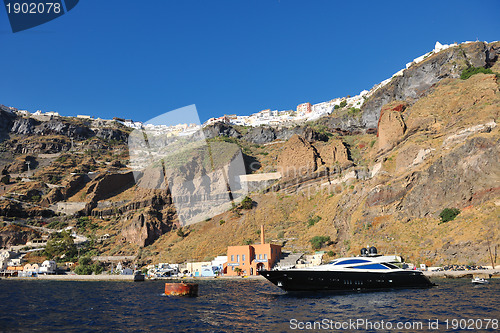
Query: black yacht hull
[[311, 280]]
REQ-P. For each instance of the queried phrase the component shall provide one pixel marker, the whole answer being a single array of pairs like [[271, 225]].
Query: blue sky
[[139, 59]]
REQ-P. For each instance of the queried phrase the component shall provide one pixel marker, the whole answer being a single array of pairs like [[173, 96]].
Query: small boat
[[370, 271], [138, 276], [478, 280]]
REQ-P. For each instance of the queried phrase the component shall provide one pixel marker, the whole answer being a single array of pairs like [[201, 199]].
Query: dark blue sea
[[245, 305]]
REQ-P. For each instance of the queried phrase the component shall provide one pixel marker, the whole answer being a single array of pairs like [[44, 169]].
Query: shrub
[[85, 267], [313, 220], [35, 198], [221, 222], [343, 104], [246, 203], [5, 179], [353, 111], [468, 72], [181, 233], [317, 242], [84, 222], [61, 244], [448, 214]]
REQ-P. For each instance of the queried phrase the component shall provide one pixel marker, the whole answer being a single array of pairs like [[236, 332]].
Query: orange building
[[304, 107], [251, 258]]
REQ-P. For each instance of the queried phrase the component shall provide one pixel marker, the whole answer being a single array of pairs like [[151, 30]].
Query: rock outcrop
[[266, 134], [58, 127], [20, 164], [468, 175], [221, 129], [391, 126], [11, 235], [418, 79], [41, 145], [104, 186], [298, 158], [24, 126], [335, 152], [111, 134], [6, 120], [69, 187], [144, 228]]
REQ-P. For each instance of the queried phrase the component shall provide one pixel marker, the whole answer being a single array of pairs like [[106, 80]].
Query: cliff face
[[10, 124], [418, 79], [264, 134], [440, 151], [6, 120], [433, 144]]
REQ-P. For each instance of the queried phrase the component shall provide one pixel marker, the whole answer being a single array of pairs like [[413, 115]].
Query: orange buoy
[[181, 289]]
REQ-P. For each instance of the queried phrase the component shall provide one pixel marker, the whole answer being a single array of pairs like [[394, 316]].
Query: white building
[[48, 267], [24, 113]]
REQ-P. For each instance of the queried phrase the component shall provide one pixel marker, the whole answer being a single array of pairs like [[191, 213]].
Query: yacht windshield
[[351, 261]]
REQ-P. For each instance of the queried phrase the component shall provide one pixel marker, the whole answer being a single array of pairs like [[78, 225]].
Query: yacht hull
[[316, 280]]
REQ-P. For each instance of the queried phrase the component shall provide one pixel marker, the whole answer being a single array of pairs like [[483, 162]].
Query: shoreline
[[481, 273], [484, 273], [106, 277]]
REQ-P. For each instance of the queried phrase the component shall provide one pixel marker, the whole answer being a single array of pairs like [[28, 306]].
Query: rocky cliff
[[424, 142], [418, 79]]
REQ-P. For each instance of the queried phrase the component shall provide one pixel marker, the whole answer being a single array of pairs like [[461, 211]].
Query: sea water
[[243, 305]]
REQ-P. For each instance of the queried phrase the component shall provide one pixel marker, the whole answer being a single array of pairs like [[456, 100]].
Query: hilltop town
[[303, 113]]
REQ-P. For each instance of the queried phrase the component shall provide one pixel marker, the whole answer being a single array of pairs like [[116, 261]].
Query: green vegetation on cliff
[[468, 72]]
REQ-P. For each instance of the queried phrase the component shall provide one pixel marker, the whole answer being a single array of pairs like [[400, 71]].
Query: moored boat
[[478, 280], [370, 271], [139, 276]]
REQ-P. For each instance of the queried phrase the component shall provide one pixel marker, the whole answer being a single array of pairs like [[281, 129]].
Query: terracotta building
[[251, 258], [304, 108]]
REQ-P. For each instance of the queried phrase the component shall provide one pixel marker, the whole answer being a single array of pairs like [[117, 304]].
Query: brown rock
[[20, 165], [144, 228], [106, 185], [334, 152], [16, 235], [298, 158], [406, 156], [456, 102], [70, 186], [391, 126]]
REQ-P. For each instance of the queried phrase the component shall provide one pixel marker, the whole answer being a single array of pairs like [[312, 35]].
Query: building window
[[265, 256], [237, 258], [232, 257], [260, 256], [243, 257]]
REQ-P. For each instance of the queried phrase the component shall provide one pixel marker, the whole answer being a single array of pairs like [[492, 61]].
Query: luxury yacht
[[370, 271]]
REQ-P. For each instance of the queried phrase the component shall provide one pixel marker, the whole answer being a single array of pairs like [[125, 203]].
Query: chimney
[[262, 238]]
